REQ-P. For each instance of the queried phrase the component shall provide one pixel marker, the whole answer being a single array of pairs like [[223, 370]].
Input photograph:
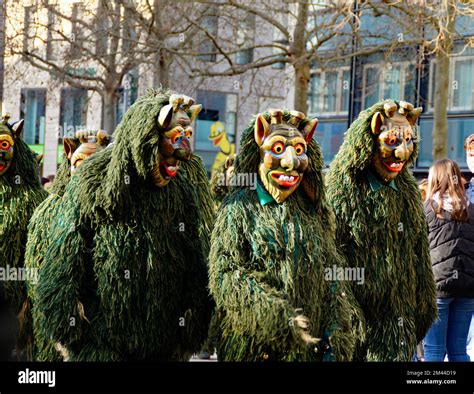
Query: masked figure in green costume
[[269, 250], [381, 228]]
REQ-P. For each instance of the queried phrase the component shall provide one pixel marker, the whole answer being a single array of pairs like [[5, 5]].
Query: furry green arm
[[58, 291], [254, 305]]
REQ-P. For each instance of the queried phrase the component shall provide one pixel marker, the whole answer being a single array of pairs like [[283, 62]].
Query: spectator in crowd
[[450, 219], [7, 327], [469, 147], [423, 187]]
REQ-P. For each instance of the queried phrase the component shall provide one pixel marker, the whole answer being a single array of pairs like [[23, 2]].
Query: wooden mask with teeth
[[283, 143], [8, 134], [394, 138], [174, 119], [84, 145]]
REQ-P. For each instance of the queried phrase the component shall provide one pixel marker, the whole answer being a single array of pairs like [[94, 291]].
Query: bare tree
[[297, 34], [433, 26], [82, 46]]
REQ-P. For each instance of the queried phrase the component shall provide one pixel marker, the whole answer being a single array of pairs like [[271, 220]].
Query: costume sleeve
[[60, 279], [427, 310], [343, 322], [198, 302], [254, 306]]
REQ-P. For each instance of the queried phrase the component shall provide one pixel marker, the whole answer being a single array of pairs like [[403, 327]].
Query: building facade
[[338, 92]]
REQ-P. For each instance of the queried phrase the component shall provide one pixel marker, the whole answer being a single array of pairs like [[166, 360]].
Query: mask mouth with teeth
[[174, 122], [394, 138], [283, 145]]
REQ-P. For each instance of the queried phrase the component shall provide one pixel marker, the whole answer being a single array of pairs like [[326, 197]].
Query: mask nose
[[183, 152], [289, 159], [402, 152]]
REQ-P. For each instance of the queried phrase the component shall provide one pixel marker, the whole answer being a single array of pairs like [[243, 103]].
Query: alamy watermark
[[238, 179], [352, 274], [19, 274]]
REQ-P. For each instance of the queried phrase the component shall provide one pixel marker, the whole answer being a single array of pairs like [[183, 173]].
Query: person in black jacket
[[450, 219], [7, 327]]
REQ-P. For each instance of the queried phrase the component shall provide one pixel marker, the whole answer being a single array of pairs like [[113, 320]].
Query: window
[[32, 110], [463, 84], [72, 110], [206, 47], [395, 81], [127, 93], [458, 130], [461, 87], [50, 47], [245, 38], [330, 135], [216, 107], [329, 91], [28, 37]]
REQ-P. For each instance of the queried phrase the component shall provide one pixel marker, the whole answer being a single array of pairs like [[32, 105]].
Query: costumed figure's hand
[[301, 323]]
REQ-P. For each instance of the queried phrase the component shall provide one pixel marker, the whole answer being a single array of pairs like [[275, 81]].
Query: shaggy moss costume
[[382, 229], [267, 266], [20, 194], [38, 236], [125, 275]]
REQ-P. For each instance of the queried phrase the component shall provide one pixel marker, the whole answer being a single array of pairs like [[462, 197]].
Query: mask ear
[[195, 110], [262, 129], [18, 128], [376, 123], [165, 115], [69, 147], [309, 130]]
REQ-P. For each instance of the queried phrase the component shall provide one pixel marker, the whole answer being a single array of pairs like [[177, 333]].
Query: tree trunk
[[440, 124], [301, 63], [162, 62], [161, 70], [302, 77], [109, 103]]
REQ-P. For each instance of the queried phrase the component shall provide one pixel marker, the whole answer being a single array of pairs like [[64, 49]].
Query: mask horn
[[262, 129], [309, 130], [18, 127], [165, 115], [413, 115], [195, 110]]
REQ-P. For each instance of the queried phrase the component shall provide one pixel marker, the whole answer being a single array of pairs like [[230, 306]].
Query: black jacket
[[7, 327], [452, 253]]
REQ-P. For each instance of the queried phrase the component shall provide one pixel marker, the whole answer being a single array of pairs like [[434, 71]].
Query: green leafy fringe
[[134, 255], [20, 194], [267, 262], [385, 232]]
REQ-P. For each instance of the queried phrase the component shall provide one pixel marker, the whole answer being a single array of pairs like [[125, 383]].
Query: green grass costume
[[382, 229]]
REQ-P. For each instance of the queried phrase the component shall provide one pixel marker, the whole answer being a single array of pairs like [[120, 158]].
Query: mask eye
[[5, 145], [299, 149], [278, 148], [175, 138], [391, 140], [188, 133]]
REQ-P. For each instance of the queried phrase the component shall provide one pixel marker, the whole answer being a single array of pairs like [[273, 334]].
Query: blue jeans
[[470, 340], [449, 333]]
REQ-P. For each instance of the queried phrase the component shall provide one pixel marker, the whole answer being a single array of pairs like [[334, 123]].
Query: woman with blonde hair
[[450, 220]]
